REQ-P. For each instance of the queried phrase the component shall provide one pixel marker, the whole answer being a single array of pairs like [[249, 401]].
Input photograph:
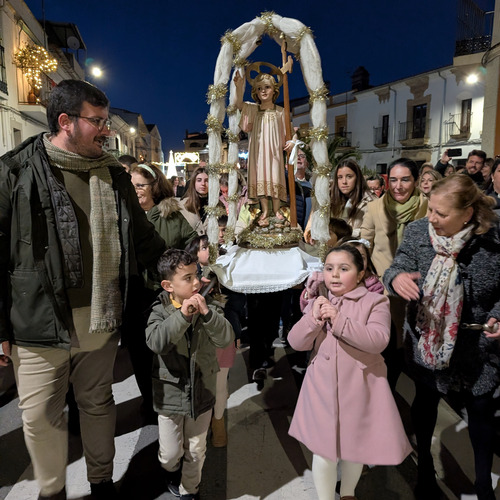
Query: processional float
[[293, 37]]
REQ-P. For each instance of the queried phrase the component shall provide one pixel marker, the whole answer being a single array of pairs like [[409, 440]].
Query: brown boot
[[219, 436]]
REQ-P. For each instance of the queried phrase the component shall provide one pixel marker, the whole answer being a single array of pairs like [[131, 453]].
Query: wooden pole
[[287, 67]]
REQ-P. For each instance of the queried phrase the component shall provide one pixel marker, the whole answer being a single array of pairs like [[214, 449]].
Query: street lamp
[[96, 71], [472, 78]]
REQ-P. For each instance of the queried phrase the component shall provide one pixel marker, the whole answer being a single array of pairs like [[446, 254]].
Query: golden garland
[[240, 62], [318, 133], [270, 240], [216, 211], [213, 252], [320, 94], [220, 168], [231, 110], [304, 31], [323, 169], [267, 19], [234, 197], [229, 235], [34, 60], [323, 250], [213, 124], [214, 168], [324, 211], [232, 137], [216, 92], [230, 37]]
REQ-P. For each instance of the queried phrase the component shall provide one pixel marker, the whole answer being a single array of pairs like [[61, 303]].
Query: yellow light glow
[[95, 71], [132, 130], [187, 158]]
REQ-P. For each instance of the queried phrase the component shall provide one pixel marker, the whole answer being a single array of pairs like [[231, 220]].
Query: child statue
[[265, 124]]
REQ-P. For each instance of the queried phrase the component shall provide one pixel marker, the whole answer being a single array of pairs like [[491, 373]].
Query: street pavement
[[261, 460]]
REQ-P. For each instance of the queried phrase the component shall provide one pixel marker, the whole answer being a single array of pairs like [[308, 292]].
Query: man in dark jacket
[[71, 229], [475, 162]]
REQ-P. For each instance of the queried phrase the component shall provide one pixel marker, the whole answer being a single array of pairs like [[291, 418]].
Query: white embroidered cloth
[[258, 270]]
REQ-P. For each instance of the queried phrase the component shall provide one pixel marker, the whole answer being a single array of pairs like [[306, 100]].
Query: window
[[419, 119], [465, 116], [3, 73], [341, 125], [385, 129]]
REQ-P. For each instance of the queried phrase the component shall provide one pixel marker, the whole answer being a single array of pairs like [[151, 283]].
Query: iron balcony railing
[[347, 139], [458, 124], [380, 135], [417, 129]]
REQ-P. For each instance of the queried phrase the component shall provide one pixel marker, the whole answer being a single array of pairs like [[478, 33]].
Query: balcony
[[344, 139], [380, 137], [472, 45], [34, 101], [414, 133], [458, 126]]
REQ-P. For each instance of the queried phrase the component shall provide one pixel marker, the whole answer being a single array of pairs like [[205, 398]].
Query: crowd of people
[[95, 249]]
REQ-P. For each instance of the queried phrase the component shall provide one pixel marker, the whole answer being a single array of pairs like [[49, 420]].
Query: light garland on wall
[[34, 60]]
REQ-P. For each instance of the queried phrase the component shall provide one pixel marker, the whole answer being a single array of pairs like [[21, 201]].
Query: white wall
[[366, 113]]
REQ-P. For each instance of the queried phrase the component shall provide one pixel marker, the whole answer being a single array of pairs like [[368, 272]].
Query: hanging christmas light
[[34, 60]]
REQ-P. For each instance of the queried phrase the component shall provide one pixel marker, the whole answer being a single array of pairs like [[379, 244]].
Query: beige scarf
[[106, 301]]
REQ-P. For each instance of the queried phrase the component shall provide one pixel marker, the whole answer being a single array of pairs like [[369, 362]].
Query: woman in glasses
[[156, 197]]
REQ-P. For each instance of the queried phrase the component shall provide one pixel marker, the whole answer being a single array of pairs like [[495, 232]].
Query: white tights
[[324, 473], [221, 393]]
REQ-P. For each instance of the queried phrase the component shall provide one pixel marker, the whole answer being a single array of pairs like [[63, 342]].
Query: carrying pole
[[287, 68]]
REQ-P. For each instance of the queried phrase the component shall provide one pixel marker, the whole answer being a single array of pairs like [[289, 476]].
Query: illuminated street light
[[96, 71], [472, 78], [131, 130]]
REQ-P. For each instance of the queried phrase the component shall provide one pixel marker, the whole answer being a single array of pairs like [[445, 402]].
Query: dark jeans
[[235, 309], [263, 324], [480, 411], [134, 338], [290, 309]]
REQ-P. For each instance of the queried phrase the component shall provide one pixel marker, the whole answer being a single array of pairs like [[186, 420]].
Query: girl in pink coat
[[345, 412]]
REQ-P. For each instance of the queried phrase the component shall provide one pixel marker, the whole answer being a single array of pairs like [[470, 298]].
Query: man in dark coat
[[71, 233]]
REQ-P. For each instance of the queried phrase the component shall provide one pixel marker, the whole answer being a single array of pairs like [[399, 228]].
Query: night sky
[[158, 56]]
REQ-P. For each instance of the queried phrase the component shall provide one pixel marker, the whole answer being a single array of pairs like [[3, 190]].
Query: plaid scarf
[[106, 301]]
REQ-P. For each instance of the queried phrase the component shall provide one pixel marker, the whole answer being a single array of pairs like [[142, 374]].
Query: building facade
[[25, 86], [416, 117]]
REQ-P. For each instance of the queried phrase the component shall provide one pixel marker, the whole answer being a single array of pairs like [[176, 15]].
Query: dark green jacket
[[34, 308], [171, 225], [185, 368]]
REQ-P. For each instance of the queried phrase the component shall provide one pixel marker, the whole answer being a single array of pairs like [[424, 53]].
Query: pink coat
[[345, 408]]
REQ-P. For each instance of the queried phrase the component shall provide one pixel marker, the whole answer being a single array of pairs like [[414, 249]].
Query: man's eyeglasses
[[98, 123], [301, 157]]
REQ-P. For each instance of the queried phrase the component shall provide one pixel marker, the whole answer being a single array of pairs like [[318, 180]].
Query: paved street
[[261, 460]]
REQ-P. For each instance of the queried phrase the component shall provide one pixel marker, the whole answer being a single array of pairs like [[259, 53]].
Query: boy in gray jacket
[[184, 331]]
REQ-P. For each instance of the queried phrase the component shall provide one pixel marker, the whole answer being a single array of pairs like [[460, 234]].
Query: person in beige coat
[[383, 226], [195, 199], [349, 195]]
